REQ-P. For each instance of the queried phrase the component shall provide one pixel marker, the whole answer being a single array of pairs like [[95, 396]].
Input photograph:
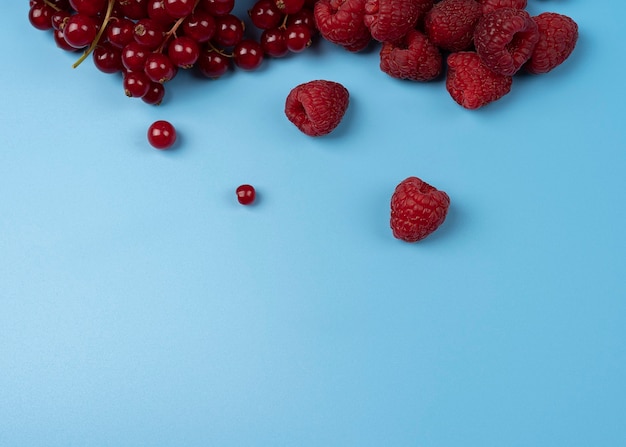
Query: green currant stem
[[94, 44], [284, 24]]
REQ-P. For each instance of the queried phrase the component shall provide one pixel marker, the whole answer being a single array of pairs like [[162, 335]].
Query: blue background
[[140, 304]]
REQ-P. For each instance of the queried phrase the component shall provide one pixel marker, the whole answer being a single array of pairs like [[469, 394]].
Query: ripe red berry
[[317, 107], [246, 194], [161, 134], [471, 84], [450, 24], [557, 38], [417, 209], [342, 23], [389, 20], [412, 57], [491, 5], [505, 39]]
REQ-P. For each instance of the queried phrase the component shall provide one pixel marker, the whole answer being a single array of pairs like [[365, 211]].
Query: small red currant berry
[[246, 194], [161, 134]]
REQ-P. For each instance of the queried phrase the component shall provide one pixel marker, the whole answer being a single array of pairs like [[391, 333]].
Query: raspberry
[[492, 5], [417, 209], [505, 39], [557, 38], [471, 83], [412, 57], [450, 24], [341, 22], [317, 107], [390, 19]]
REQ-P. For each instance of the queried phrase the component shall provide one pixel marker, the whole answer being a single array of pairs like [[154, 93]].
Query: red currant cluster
[[148, 41]]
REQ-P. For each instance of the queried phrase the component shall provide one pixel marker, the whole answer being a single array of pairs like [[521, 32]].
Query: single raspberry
[[417, 209], [492, 5], [505, 39], [317, 107], [341, 22], [471, 83], [412, 57], [557, 38], [389, 20], [450, 24]]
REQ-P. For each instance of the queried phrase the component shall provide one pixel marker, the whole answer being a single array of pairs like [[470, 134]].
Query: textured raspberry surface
[[412, 57], [557, 38], [317, 107], [417, 209], [389, 20], [505, 39], [471, 83], [342, 22], [492, 5], [450, 23]]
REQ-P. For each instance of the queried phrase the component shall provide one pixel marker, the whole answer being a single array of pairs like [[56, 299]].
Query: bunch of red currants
[[149, 41]]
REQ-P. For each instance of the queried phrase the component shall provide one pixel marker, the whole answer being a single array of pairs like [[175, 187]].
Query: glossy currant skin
[[107, 58], [40, 16], [136, 84], [155, 94], [248, 54], [245, 194], [183, 51], [161, 135], [80, 30], [213, 64], [274, 43], [160, 68]]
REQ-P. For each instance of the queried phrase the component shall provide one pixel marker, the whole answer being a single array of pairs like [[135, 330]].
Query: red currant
[[161, 134], [80, 30], [246, 194], [248, 54]]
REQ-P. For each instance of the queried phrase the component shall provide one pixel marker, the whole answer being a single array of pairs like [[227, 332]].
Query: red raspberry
[[417, 209], [450, 23], [390, 19], [492, 5], [505, 39], [317, 107], [557, 38], [412, 57], [471, 83], [341, 22]]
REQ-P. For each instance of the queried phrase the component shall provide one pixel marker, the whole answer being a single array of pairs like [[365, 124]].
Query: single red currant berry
[[298, 37], [183, 51], [120, 32], [80, 30], [265, 15], [248, 54], [155, 94], [136, 84], [107, 58], [179, 8], [274, 42], [40, 16], [217, 7], [213, 64], [161, 134], [246, 194]]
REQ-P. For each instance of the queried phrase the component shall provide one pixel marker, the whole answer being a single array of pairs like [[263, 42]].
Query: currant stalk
[[94, 44]]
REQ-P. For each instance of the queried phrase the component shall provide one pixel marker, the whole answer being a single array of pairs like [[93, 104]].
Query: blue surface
[[140, 304]]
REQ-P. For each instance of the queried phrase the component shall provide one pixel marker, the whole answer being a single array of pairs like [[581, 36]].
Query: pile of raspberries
[[482, 43]]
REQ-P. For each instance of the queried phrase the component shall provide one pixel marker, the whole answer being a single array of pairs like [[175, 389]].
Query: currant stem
[[218, 50], [52, 5], [173, 29], [94, 44]]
